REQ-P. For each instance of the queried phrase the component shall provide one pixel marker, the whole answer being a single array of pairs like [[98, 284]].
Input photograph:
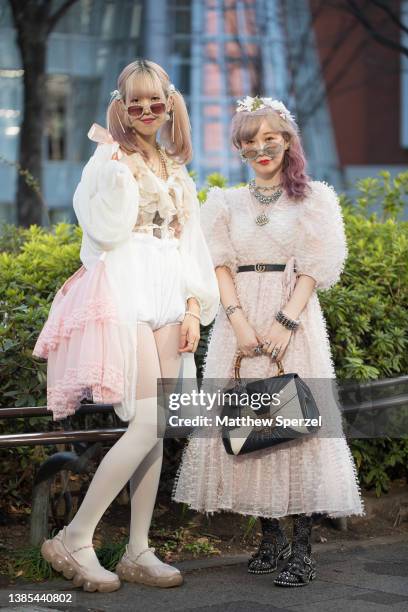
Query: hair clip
[[115, 95]]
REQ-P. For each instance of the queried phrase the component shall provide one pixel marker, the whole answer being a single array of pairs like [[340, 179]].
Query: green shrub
[[367, 312], [34, 263]]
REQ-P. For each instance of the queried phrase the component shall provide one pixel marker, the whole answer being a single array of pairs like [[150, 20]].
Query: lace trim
[[90, 382], [95, 311]]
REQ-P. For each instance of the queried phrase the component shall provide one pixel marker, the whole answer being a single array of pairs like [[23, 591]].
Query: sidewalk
[[370, 575]]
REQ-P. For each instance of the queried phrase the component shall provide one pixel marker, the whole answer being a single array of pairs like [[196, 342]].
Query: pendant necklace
[[262, 218]]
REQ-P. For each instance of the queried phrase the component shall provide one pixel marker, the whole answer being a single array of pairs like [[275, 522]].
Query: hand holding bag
[[292, 399]]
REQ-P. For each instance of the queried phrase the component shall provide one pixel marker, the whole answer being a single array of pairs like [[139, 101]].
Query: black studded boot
[[300, 568], [274, 546]]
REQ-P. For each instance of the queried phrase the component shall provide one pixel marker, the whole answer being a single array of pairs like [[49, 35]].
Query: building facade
[[366, 87], [215, 52]]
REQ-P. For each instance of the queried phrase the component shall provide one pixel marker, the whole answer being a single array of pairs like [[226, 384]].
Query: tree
[[34, 20], [380, 23]]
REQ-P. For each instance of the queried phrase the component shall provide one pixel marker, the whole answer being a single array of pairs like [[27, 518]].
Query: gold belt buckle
[[260, 267]]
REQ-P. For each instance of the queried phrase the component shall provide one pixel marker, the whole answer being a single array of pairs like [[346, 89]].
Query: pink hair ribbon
[[99, 134]]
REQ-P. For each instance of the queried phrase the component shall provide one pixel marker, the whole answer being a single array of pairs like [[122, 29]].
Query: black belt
[[262, 268]]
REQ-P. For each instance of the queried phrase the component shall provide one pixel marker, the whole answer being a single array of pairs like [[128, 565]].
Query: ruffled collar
[[166, 196]]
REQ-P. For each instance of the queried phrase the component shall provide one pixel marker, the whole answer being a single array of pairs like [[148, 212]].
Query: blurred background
[[340, 66]]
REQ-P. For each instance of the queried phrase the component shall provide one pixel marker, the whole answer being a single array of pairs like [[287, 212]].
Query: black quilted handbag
[[295, 402]]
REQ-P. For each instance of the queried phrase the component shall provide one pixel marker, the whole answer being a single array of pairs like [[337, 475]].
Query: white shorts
[[146, 276]]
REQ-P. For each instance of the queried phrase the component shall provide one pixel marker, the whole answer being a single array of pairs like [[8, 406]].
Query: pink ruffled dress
[[316, 474], [135, 270], [80, 340]]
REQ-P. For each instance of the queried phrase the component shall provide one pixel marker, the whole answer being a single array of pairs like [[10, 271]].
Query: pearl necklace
[[163, 172]]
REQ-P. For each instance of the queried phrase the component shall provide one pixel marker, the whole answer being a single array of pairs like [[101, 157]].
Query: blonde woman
[[272, 313], [131, 313]]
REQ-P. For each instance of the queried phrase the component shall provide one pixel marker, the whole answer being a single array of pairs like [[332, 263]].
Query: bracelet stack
[[286, 321], [230, 309]]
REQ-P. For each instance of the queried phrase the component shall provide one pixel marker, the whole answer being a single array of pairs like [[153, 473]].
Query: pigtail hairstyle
[[146, 77], [181, 148]]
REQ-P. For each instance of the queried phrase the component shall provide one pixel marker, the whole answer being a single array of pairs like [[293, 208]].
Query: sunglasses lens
[[273, 150], [135, 111], [249, 154], [158, 108]]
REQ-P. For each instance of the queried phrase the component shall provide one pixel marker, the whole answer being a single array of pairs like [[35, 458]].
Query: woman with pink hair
[[131, 314], [273, 243]]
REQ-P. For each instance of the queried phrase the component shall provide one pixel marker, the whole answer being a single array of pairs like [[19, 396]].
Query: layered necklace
[[263, 199], [164, 175]]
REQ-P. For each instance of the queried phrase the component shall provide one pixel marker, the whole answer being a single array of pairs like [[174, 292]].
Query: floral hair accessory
[[250, 105]]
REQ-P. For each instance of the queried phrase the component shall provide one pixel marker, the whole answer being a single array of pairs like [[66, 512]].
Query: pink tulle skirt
[[81, 342]]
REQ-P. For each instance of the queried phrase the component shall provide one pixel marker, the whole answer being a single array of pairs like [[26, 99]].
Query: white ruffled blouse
[[111, 202]]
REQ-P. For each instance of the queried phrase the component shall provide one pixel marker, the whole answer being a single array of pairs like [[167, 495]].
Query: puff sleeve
[[106, 201], [321, 250], [200, 280], [215, 220]]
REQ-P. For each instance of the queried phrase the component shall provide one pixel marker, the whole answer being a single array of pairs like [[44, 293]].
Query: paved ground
[[369, 576]]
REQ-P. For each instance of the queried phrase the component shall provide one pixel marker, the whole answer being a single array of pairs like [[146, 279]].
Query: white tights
[[136, 456]]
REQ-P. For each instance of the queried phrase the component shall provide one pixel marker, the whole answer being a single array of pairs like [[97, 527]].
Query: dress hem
[[277, 515]]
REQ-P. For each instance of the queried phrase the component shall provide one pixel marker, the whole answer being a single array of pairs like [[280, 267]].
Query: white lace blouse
[[111, 202]]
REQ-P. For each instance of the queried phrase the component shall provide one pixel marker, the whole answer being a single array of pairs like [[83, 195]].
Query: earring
[[123, 129], [172, 126]]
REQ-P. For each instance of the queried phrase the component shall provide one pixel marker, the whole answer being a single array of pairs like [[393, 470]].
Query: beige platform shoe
[[57, 554], [161, 575]]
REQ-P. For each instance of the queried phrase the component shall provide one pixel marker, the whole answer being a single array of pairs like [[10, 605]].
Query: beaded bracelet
[[197, 300], [193, 314], [286, 321]]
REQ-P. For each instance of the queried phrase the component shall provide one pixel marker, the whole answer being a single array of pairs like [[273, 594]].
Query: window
[[180, 61], [70, 107], [57, 91]]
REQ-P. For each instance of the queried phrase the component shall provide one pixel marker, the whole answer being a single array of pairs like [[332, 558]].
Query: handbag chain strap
[[237, 366]]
